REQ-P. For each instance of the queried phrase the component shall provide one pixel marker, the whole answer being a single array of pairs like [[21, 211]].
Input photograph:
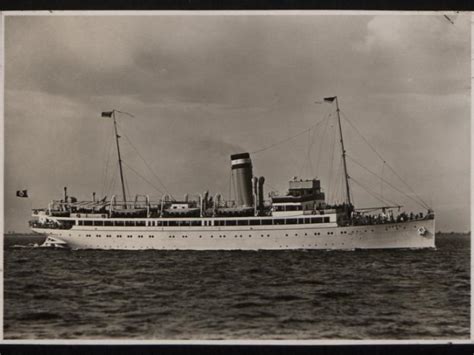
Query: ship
[[299, 219]]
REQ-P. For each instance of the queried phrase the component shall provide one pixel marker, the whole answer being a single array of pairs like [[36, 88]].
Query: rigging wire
[[106, 166], [351, 194], [147, 165], [127, 189], [341, 188], [381, 179], [388, 183], [306, 165], [310, 146], [287, 139], [110, 189], [421, 201], [374, 194], [327, 119], [334, 192], [143, 178]]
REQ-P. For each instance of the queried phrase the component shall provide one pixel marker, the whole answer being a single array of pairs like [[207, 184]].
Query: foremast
[[119, 158], [117, 136]]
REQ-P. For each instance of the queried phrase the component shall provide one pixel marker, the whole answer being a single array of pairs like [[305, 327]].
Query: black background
[[410, 5]]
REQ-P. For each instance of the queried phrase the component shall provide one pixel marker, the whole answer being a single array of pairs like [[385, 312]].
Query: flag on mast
[[22, 193], [107, 114], [330, 99]]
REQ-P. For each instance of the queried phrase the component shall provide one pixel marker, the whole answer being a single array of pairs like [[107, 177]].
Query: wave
[[37, 316]]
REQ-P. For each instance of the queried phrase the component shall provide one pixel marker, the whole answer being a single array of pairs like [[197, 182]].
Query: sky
[[203, 87]]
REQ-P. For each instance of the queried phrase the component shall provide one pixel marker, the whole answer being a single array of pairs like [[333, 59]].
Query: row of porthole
[[184, 236], [120, 236], [221, 236], [309, 245]]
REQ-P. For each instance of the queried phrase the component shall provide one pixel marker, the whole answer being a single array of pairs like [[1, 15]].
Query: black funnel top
[[239, 156]]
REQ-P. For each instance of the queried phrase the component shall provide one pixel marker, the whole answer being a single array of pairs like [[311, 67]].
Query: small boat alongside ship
[[300, 219]]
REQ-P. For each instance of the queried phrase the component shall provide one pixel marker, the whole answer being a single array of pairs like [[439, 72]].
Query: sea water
[[215, 295]]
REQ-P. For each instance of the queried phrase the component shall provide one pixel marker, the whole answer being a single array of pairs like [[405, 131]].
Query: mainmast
[[119, 159], [346, 176]]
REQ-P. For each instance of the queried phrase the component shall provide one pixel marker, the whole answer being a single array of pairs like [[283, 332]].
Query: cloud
[[417, 53], [204, 87]]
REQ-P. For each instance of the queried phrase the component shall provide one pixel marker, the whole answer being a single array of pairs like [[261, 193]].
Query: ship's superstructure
[[300, 219]]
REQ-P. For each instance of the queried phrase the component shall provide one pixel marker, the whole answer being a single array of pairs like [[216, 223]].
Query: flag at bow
[[107, 114], [330, 99], [22, 193]]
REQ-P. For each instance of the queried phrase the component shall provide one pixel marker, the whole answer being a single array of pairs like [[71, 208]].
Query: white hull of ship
[[412, 234]]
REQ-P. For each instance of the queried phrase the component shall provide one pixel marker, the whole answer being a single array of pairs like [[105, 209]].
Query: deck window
[[243, 222], [130, 223], [266, 222], [291, 221], [98, 223], [279, 221], [140, 223], [326, 219], [108, 223], [88, 223], [119, 223], [231, 222], [195, 223], [254, 222]]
